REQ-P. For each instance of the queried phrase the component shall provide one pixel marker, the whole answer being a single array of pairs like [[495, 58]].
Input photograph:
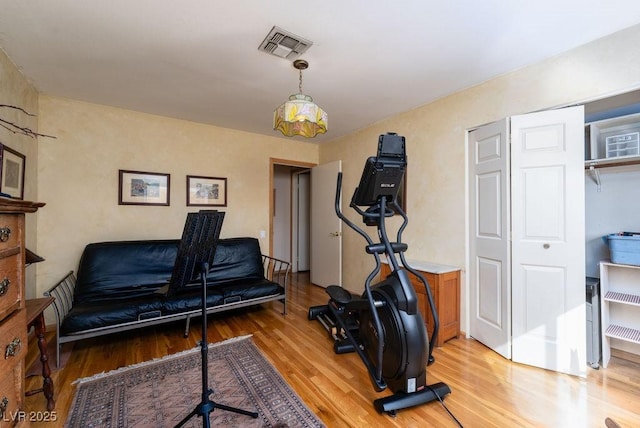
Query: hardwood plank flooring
[[487, 390]]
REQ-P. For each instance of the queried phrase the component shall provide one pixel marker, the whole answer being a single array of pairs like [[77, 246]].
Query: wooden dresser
[[13, 318], [444, 282]]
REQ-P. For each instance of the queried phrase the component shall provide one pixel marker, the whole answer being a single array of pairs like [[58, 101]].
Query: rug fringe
[[165, 358]]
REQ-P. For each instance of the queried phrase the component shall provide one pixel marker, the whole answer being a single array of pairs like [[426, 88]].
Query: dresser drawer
[[9, 231], [10, 291], [13, 340], [10, 401]]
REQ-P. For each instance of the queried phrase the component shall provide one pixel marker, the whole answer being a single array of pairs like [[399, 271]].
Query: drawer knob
[[5, 233], [4, 286], [13, 348], [4, 403]]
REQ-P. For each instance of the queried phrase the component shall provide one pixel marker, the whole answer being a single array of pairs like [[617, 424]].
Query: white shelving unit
[[620, 306]]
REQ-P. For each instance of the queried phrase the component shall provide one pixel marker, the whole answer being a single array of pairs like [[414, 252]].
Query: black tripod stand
[[195, 253], [207, 406]]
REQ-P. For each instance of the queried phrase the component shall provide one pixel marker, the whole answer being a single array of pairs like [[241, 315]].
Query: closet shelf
[[623, 333], [617, 297], [611, 162]]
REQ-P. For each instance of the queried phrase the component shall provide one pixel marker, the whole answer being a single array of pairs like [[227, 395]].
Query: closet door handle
[[546, 246]]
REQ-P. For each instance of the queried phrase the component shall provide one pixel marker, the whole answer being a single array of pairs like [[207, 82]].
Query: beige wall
[[77, 172], [78, 177], [16, 91], [436, 143]]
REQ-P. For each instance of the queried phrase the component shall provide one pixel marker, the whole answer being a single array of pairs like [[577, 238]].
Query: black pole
[[207, 406], [204, 347]]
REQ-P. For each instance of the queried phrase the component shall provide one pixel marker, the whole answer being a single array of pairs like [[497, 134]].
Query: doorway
[[289, 217]]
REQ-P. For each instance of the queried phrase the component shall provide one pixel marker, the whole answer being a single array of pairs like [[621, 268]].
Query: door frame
[[296, 217], [272, 163]]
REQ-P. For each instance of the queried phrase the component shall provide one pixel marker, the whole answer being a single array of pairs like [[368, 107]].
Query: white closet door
[[489, 243], [548, 247]]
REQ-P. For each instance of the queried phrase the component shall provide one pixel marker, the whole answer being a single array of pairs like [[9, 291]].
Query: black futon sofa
[[119, 285]]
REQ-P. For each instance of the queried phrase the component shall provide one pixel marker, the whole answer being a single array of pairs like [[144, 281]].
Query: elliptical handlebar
[[377, 376], [432, 305], [342, 216]]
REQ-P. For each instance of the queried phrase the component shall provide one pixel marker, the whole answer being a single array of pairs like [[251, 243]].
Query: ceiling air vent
[[284, 44]]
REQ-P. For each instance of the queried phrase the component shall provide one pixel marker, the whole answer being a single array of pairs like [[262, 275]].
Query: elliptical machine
[[384, 325]]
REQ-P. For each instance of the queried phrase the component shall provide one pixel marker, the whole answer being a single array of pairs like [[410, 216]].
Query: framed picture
[[12, 181], [206, 191], [143, 188]]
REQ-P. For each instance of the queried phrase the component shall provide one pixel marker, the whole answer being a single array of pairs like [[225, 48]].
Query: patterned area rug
[[161, 393]]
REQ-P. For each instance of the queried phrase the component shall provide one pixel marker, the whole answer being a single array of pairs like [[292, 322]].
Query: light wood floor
[[487, 390]]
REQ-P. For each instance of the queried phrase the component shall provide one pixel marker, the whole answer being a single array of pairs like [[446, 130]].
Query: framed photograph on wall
[[12, 180], [206, 191], [143, 188]]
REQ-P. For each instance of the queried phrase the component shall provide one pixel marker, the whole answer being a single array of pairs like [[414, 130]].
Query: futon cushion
[[92, 315], [236, 258], [131, 269], [124, 269]]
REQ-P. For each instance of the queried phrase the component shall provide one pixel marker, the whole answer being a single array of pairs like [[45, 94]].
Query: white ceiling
[[199, 60]]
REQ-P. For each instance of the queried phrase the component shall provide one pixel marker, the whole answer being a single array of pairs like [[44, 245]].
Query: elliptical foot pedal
[[339, 294]]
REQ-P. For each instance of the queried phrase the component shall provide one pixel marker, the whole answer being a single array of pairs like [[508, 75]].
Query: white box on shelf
[[623, 145], [613, 138]]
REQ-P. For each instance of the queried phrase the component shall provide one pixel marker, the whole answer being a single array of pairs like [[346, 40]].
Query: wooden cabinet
[[444, 282], [13, 321]]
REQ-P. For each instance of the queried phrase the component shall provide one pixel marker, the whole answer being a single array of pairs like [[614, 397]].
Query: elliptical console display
[[384, 325]]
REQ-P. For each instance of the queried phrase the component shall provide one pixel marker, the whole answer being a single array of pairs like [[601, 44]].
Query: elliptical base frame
[[401, 400]]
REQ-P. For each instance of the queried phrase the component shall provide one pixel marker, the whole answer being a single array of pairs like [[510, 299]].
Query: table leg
[[47, 384]]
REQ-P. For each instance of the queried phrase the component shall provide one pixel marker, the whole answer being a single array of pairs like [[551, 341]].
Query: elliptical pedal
[[339, 294]]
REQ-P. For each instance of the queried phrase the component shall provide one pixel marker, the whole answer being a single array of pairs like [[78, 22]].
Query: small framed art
[[206, 191], [12, 180], [143, 188]]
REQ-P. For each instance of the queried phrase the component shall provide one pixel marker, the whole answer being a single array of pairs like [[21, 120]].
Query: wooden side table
[[444, 282], [35, 319]]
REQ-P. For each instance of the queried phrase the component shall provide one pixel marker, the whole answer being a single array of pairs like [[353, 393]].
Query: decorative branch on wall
[[17, 129]]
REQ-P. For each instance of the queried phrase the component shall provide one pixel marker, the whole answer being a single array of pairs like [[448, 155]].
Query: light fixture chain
[[300, 84]]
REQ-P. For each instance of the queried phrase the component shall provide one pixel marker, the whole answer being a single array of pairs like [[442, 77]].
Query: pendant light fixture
[[300, 115]]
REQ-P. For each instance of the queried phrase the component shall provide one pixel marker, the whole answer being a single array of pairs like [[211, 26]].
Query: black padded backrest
[[132, 268], [236, 258], [136, 268]]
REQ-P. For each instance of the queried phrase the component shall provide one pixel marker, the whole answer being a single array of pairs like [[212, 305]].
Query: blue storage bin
[[624, 247]]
